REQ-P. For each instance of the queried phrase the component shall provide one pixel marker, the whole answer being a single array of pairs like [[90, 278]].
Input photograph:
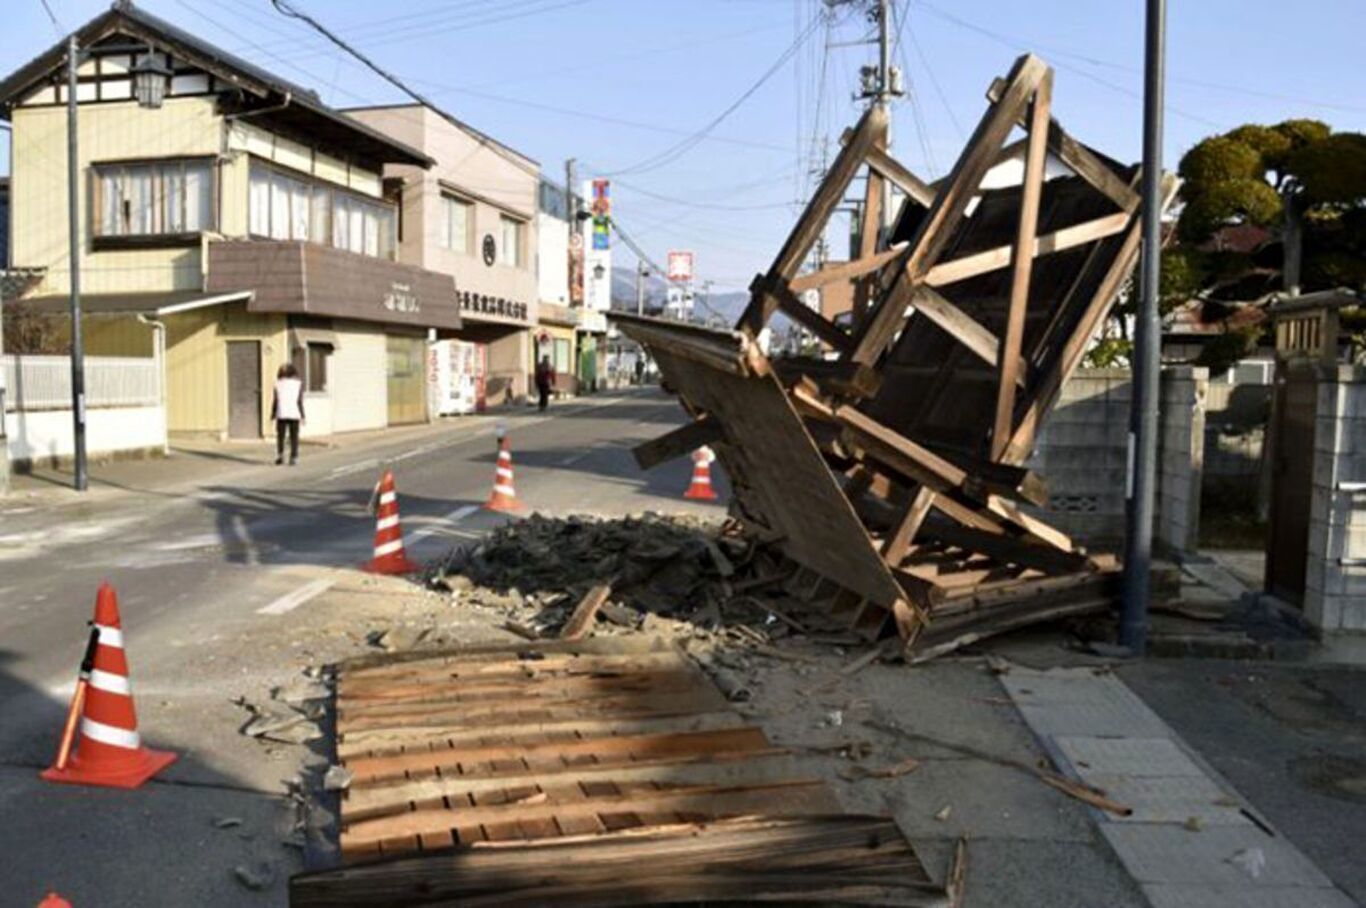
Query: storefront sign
[[680, 266], [401, 298], [602, 214]]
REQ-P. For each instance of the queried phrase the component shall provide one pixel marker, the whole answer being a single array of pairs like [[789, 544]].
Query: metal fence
[[44, 382]]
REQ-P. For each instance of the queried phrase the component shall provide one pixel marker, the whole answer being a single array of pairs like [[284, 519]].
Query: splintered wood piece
[[585, 612], [677, 443], [1022, 264]]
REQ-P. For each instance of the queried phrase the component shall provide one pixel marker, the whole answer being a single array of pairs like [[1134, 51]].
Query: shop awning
[[302, 337], [149, 304]]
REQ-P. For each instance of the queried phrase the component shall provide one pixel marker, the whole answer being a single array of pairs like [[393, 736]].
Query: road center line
[[291, 601]]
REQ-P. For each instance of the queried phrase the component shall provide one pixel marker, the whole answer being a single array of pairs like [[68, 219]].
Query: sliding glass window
[[285, 207], [155, 199]]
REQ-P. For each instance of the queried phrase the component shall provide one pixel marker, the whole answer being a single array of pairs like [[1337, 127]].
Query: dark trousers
[[543, 392], [290, 427]]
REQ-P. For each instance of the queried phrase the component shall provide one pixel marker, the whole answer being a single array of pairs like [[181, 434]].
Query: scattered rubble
[[256, 876]]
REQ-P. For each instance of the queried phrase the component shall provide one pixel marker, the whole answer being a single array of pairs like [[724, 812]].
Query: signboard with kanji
[[680, 266]]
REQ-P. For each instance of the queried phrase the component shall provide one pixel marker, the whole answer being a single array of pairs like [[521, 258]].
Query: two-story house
[[230, 223], [472, 215]]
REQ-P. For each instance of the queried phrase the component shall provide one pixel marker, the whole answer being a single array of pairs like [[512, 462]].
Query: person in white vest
[[287, 409]]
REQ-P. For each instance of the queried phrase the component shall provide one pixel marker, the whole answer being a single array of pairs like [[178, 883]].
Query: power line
[[288, 9], [678, 149], [56, 26]]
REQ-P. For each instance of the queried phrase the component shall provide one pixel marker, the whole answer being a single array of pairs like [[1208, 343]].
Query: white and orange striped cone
[[701, 475], [390, 558], [110, 752], [504, 495]]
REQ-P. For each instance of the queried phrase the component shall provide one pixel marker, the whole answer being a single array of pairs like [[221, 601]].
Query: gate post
[[1335, 581]]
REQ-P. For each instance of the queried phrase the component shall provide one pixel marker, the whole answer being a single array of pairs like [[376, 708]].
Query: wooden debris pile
[[891, 469], [606, 771]]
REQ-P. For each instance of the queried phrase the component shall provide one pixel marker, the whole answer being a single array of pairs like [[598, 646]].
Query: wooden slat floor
[[570, 758]]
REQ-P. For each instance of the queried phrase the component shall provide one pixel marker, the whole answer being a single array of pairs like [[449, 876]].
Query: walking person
[[545, 380], [287, 409]]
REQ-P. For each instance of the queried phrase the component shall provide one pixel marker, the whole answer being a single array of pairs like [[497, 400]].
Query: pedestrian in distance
[[287, 409], [545, 381], [640, 370]]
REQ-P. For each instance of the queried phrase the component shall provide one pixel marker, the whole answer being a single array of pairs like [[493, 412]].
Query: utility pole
[[81, 479], [571, 213], [1138, 541], [641, 272]]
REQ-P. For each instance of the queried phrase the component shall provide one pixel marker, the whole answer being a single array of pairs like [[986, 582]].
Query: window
[[285, 207], [159, 198], [455, 223], [561, 360], [512, 242], [317, 368]]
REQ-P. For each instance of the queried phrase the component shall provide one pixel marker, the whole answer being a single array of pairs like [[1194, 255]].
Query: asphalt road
[[217, 567]]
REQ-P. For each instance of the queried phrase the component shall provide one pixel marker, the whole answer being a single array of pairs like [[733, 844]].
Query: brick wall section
[[1335, 593], [1082, 453]]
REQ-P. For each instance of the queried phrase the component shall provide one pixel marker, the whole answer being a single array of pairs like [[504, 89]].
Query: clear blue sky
[[615, 83]]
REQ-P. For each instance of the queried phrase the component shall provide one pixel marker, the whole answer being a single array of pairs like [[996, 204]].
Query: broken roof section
[[893, 468], [258, 89]]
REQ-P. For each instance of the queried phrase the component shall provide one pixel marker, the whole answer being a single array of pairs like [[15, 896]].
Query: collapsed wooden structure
[[607, 771], [892, 468]]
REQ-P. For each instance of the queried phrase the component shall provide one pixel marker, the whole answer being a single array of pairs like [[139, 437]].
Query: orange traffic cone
[[110, 751], [701, 475], [53, 900], [390, 558], [504, 497]]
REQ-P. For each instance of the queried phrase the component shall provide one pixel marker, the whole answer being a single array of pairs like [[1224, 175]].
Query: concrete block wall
[[1082, 453], [1335, 588]]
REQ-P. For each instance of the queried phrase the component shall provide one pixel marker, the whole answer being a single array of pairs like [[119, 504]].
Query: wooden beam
[[1032, 525], [681, 441], [845, 270], [964, 267], [1067, 359], [1022, 264], [1081, 160], [870, 130], [901, 176], [870, 231], [937, 228], [804, 315], [962, 327], [1007, 549], [899, 543], [899, 452]]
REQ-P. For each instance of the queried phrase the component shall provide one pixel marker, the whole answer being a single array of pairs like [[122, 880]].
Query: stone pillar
[[1335, 579], [1181, 457]]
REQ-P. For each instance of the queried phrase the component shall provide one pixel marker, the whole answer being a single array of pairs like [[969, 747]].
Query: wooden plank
[[1008, 549], [962, 327], [900, 452], [429, 762], [677, 443], [786, 798], [1081, 160], [584, 613], [419, 678], [1022, 265], [882, 162], [747, 767], [968, 266], [1032, 525], [845, 270], [804, 315], [894, 548], [870, 130], [936, 229]]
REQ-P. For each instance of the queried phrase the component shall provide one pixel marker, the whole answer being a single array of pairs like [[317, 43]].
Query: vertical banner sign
[[597, 252], [680, 266], [576, 270]]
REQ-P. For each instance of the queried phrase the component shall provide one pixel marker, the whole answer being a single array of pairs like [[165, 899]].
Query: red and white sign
[[680, 266]]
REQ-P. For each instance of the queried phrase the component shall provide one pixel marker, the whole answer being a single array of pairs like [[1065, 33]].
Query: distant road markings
[[575, 458], [290, 601], [452, 518]]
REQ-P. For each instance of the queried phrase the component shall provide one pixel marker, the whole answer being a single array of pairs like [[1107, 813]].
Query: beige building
[[472, 215], [234, 226]]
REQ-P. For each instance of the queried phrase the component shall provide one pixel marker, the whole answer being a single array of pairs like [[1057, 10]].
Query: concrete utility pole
[[571, 215], [81, 478], [1138, 542], [641, 272], [4, 439]]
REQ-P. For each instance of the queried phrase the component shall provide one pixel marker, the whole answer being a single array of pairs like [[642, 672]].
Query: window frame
[[96, 172], [384, 211], [449, 201], [324, 354], [518, 260]]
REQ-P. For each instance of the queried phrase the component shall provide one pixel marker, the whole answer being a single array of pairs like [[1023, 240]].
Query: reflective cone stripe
[[110, 750], [700, 488], [390, 557], [504, 496]]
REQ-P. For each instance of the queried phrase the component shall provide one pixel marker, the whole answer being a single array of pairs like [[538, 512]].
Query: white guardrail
[[34, 383]]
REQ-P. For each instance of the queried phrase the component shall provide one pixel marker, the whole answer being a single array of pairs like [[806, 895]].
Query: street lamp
[[150, 77]]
